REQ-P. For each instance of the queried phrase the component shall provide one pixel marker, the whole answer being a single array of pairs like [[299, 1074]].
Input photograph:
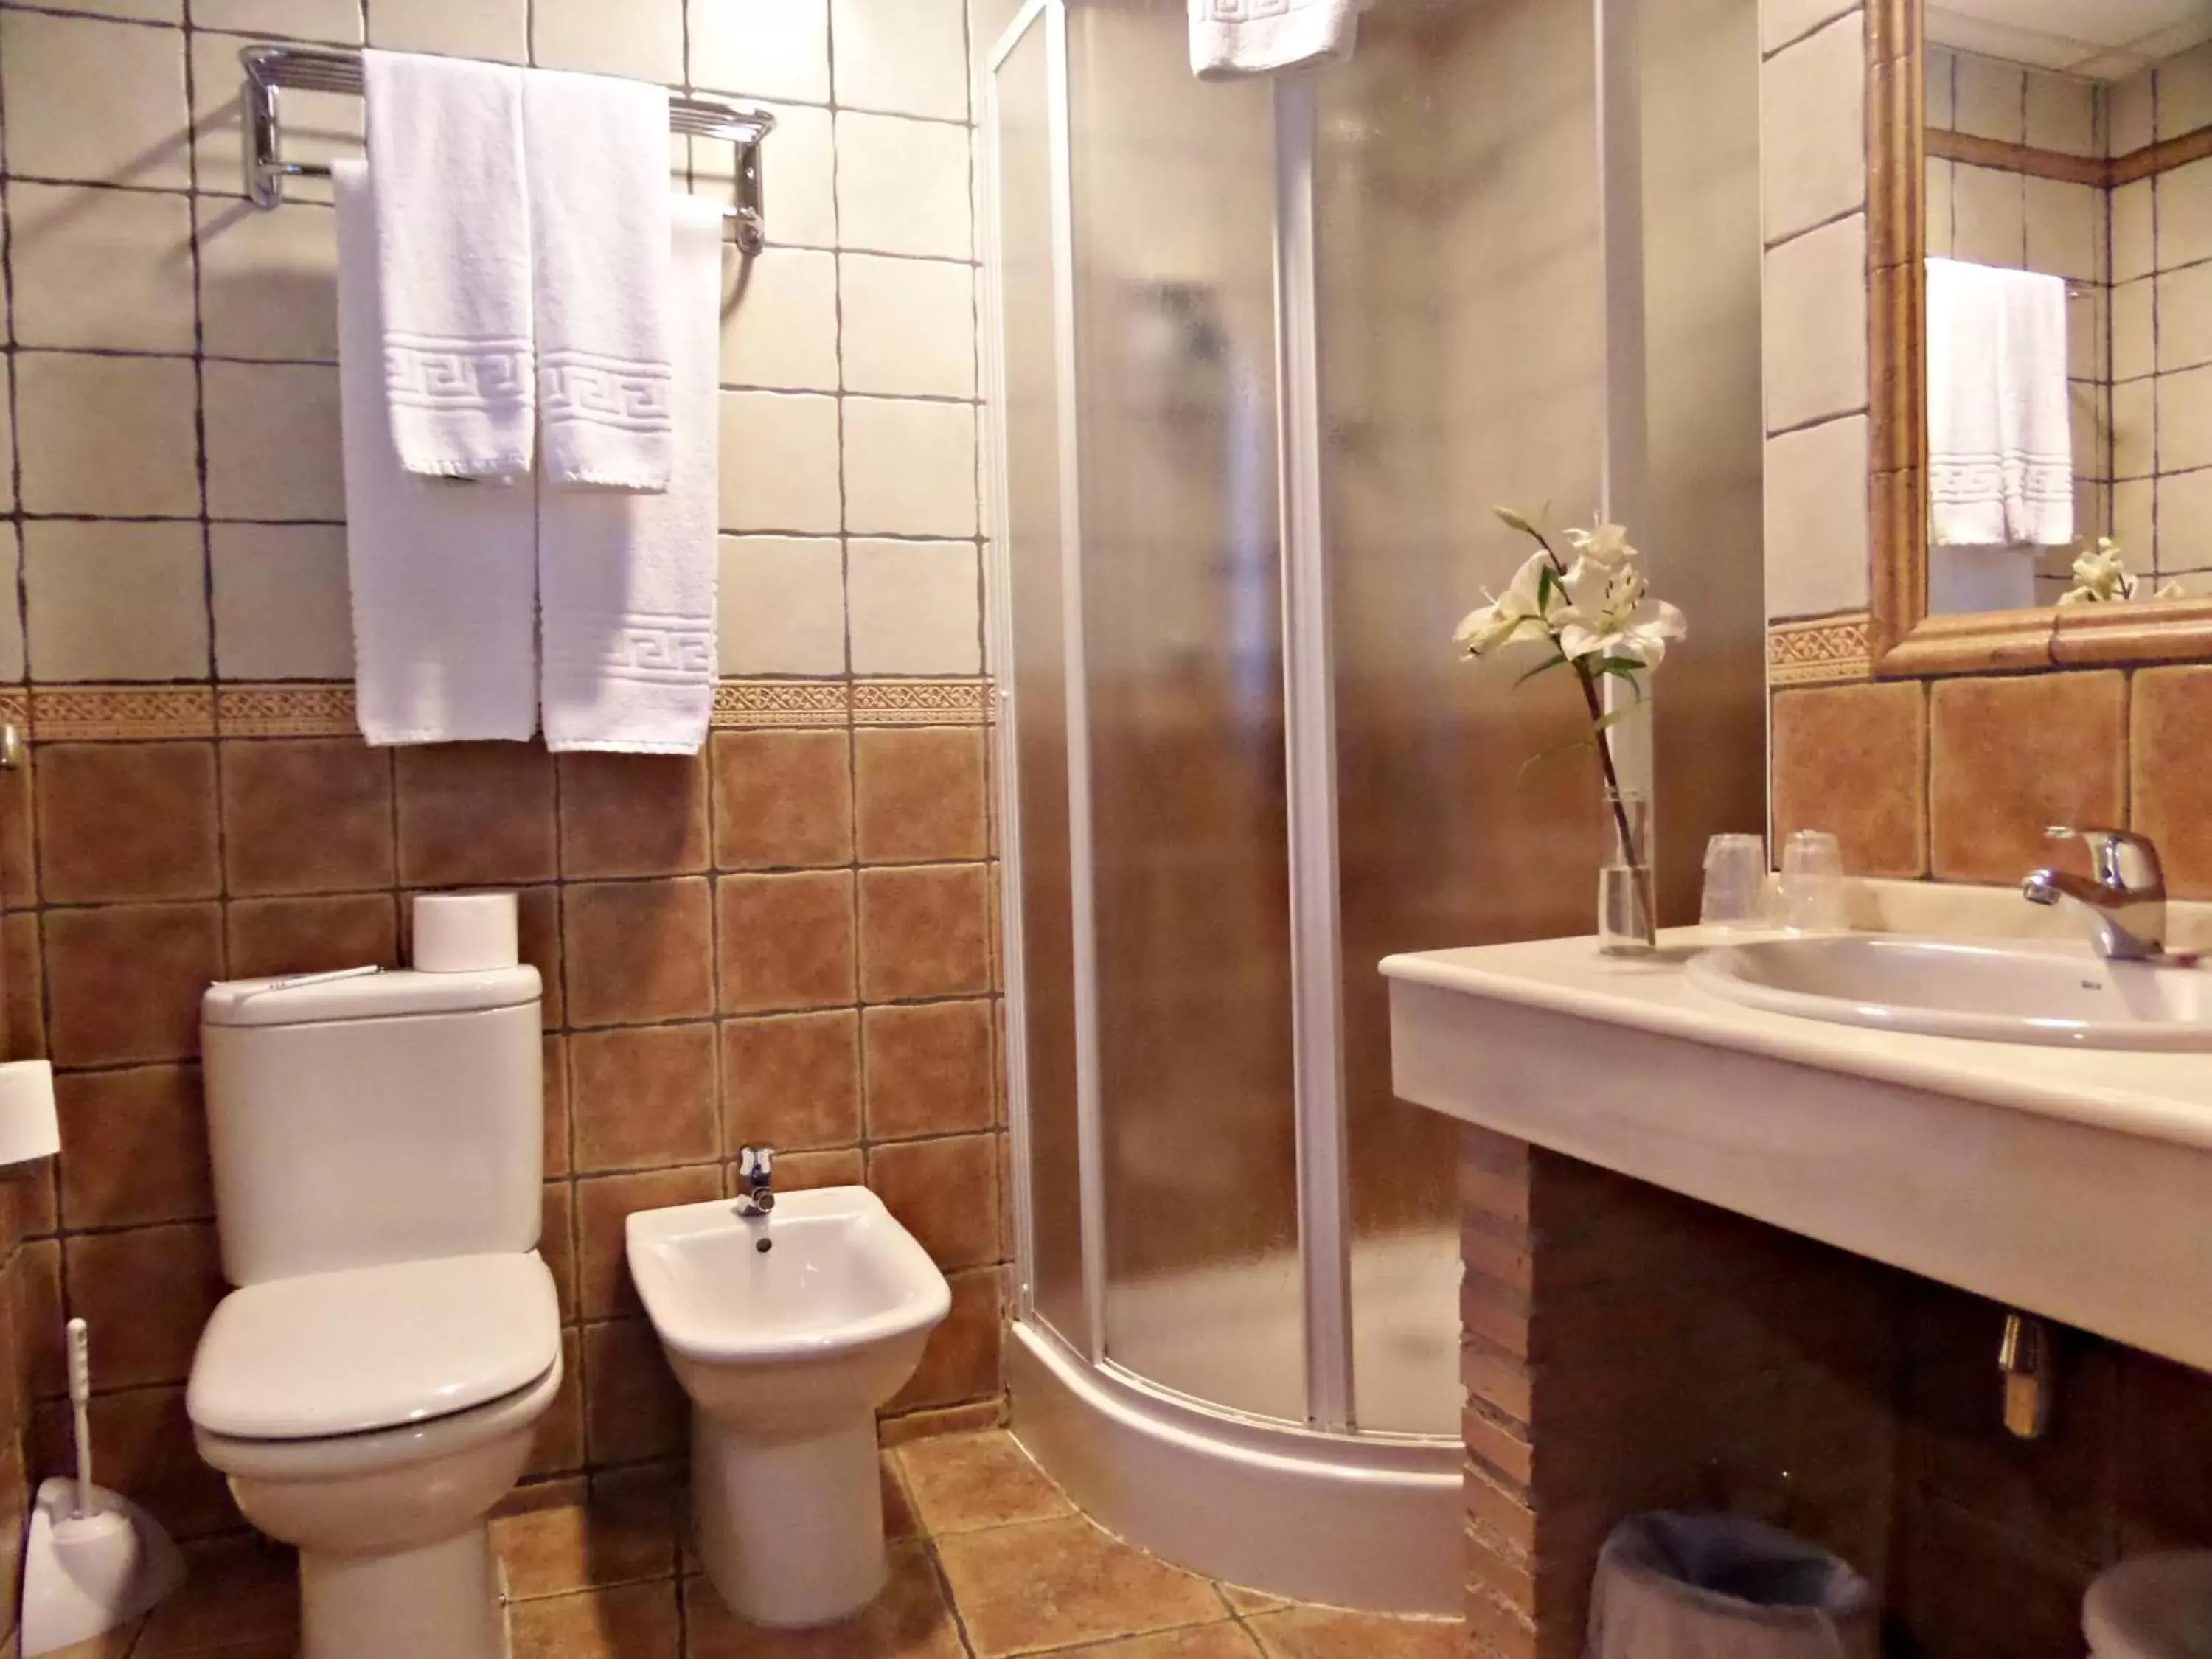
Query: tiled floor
[[989, 1561]]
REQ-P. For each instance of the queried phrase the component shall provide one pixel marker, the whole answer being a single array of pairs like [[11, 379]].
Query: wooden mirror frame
[[1904, 639]]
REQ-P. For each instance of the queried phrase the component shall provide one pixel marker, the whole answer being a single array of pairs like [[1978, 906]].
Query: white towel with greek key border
[[595, 149], [626, 581], [1233, 38], [443, 575], [452, 244]]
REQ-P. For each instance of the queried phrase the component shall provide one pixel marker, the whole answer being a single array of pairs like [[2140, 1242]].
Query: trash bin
[[1680, 1586]]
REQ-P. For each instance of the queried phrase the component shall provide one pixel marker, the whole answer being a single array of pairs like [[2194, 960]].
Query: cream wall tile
[[95, 102], [11, 607], [781, 605], [7, 436], [498, 30], [1816, 519], [768, 48], [108, 435], [268, 281], [105, 269], [1814, 343], [115, 601], [1938, 208], [2185, 214], [2087, 306], [318, 126], [1783, 21], [910, 57], [2133, 341], [2185, 92], [2065, 229], [2089, 404], [1940, 88], [641, 39], [2184, 521], [902, 187], [2061, 114], [800, 167], [1988, 216], [1993, 98], [144, 11], [2184, 420], [1813, 130], [273, 441], [281, 606], [909, 325], [2185, 317], [780, 321], [2135, 432], [909, 467], [916, 608], [2133, 502], [2135, 247], [2131, 124], [300, 19], [779, 463], [989, 20]]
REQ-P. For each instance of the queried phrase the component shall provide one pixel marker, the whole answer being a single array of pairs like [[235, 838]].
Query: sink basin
[[1999, 993]]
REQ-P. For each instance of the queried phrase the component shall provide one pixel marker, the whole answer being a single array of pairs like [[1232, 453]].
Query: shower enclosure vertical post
[[1310, 746]]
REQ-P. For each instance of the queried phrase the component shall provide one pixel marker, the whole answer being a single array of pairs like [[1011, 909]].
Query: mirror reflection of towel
[[2000, 433]]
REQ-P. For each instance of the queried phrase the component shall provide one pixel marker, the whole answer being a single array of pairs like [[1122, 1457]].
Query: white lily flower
[[1520, 615], [2101, 576], [1607, 545]]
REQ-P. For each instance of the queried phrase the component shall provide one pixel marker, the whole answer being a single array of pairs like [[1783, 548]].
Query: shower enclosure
[[1263, 354]]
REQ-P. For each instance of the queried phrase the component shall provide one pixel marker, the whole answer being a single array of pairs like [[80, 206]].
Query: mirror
[[2067, 302]]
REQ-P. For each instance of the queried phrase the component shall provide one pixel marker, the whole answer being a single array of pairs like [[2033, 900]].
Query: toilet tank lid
[[313, 998]]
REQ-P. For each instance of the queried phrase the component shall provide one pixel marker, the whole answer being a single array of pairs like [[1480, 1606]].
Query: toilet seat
[[374, 1352]]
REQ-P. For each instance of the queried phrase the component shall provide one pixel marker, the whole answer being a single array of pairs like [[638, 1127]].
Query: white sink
[[2000, 993]]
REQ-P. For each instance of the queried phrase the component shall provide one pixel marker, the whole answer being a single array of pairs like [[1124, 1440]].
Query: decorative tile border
[[1824, 651], [82, 713]]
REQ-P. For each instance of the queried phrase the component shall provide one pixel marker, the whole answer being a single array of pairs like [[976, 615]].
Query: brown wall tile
[[633, 1408], [1853, 760], [961, 1360], [476, 814], [836, 1166], [19, 842], [147, 1293], [558, 1445], [643, 1097], [638, 950], [945, 1192], [23, 984], [2170, 740], [146, 1449], [604, 1205], [273, 936], [556, 1245], [919, 794], [633, 815], [924, 932], [783, 799], [134, 1147], [127, 821], [306, 816], [2009, 757], [124, 983], [40, 1318], [930, 1068], [784, 942], [2164, 1432], [537, 937], [555, 1071], [791, 1081]]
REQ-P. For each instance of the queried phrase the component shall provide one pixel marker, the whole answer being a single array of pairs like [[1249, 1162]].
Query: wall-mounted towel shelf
[[269, 69]]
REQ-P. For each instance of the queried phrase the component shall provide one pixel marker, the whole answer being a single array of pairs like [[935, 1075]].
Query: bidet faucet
[[2126, 897], [756, 1180]]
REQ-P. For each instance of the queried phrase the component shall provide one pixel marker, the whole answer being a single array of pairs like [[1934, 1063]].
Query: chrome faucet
[[2126, 897], [756, 1180]]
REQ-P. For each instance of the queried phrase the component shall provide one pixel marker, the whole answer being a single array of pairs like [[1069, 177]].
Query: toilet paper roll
[[464, 932], [28, 1129]]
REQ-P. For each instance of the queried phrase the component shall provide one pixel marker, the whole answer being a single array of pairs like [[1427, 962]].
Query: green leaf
[[1547, 583]]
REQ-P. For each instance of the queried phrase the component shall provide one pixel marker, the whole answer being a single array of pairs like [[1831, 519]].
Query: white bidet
[[787, 1330]]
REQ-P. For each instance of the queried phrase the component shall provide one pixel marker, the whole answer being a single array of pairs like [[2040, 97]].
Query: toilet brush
[[94, 1560]]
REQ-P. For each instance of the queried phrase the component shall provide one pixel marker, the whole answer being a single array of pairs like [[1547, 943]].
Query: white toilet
[[787, 1329], [371, 1386]]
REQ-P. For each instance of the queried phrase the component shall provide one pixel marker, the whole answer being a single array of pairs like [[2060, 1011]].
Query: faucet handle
[[757, 1164], [2124, 861]]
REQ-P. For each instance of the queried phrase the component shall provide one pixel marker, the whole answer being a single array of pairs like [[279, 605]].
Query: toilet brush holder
[[93, 1561]]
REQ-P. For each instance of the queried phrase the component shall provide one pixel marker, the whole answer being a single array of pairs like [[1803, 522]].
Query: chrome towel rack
[[272, 68]]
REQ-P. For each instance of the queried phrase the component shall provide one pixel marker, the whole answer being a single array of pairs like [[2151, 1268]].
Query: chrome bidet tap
[[2125, 899], [755, 1179]]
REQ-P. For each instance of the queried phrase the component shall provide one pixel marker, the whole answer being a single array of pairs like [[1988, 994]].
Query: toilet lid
[[324, 1354]]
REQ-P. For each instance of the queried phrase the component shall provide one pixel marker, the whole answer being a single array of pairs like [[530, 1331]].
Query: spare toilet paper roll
[[464, 932], [28, 1129]]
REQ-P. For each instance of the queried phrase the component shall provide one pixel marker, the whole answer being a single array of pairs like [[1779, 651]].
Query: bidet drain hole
[[764, 1245]]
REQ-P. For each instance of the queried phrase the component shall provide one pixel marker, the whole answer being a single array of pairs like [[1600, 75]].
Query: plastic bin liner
[[1677, 1586]]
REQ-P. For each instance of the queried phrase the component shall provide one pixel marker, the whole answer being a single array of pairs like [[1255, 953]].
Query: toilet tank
[[356, 1121]]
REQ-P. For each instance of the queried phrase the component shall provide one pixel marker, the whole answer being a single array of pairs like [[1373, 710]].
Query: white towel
[[1230, 37], [442, 574], [2000, 432], [626, 582], [596, 152], [444, 147]]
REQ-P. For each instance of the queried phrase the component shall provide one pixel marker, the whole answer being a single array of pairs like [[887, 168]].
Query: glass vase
[[1627, 924]]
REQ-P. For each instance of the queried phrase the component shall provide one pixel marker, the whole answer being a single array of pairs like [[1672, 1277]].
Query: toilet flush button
[[464, 932]]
